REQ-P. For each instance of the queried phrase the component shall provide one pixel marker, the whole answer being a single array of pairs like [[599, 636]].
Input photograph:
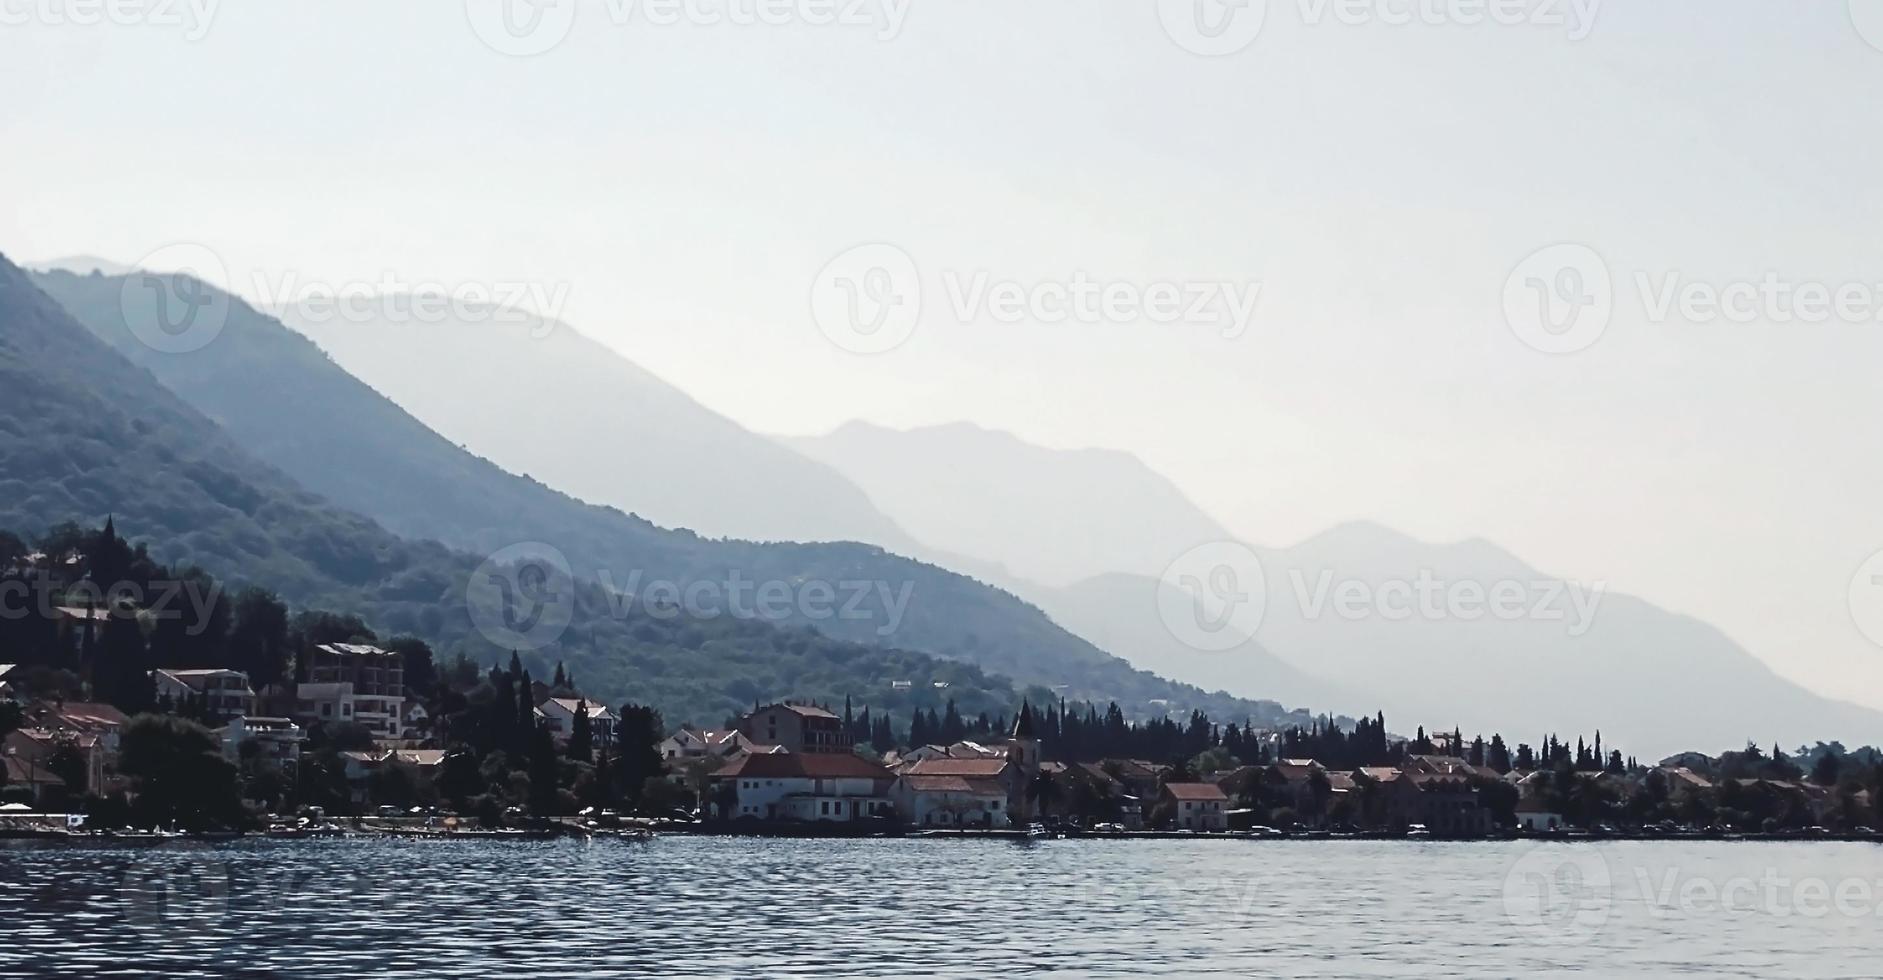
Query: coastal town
[[354, 746], [256, 719]]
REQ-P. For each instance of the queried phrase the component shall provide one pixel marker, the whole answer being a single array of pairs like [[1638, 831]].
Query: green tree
[[637, 749], [1826, 771], [544, 773], [582, 734], [258, 638], [179, 774]]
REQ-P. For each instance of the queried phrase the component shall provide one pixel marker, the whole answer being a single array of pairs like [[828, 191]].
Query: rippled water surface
[[711, 907]]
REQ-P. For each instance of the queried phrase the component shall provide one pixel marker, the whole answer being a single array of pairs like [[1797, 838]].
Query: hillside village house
[[82, 717], [34, 751], [805, 786], [700, 743], [274, 742], [796, 728], [1196, 806], [357, 683], [987, 790], [6, 690], [40, 783], [950, 801], [1533, 816], [222, 693], [558, 715]]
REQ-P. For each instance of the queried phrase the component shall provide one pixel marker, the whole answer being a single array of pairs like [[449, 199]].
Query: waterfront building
[[796, 728], [811, 787], [354, 682], [1196, 806], [558, 715], [276, 742], [689, 743], [222, 693]]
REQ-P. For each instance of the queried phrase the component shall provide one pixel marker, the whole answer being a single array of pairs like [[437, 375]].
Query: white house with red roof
[[700, 743], [810, 787], [934, 800], [797, 727], [558, 715], [1197, 806]]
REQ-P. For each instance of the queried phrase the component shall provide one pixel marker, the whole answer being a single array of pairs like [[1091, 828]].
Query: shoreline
[[817, 833]]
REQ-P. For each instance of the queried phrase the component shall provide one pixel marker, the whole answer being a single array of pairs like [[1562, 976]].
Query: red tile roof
[[82, 714], [981, 768], [806, 710], [22, 772], [804, 765], [954, 784], [1196, 792]]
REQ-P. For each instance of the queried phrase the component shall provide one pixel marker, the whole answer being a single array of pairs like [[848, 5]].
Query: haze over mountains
[[1074, 514], [84, 433], [732, 483], [1081, 535], [281, 398], [1575, 655]]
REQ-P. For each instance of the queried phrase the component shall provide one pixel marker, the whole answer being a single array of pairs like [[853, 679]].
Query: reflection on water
[[705, 907]]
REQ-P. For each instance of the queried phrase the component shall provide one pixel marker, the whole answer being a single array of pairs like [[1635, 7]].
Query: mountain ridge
[[365, 452]]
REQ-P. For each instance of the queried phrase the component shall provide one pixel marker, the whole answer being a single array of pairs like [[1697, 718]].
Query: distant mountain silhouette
[[1068, 514], [87, 433], [1652, 680], [541, 398], [283, 399]]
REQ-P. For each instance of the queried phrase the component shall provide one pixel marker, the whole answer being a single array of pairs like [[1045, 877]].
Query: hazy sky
[[683, 185]]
